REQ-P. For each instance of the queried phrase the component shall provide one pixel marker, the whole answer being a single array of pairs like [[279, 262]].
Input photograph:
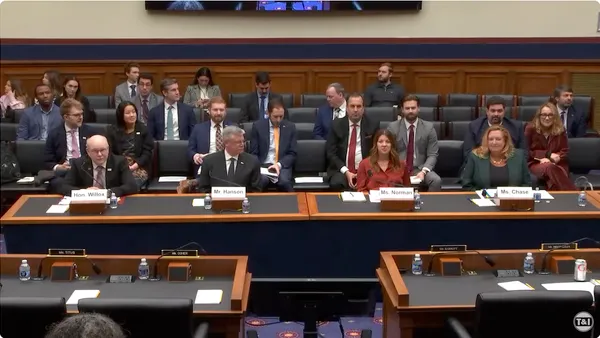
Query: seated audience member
[[349, 141], [128, 90], [146, 99], [383, 167], [72, 90], [255, 103], [572, 120], [417, 144], [86, 325], [99, 170], [171, 120], [38, 121], [67, 139], [274, 143], [496, 163], [384, 93], [207, 137], [51, 78], [230, 167], [548, 149], [201, 90], [130, 138], [14, 97], [495, 115], [334, 109]]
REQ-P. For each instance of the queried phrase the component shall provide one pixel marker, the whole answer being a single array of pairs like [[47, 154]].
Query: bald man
[[99, 170]]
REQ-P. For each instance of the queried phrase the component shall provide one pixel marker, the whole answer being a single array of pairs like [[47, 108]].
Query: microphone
[[155, 277], [224, 181], [543, 270], [39, 276], [487, 259], [394, 184]]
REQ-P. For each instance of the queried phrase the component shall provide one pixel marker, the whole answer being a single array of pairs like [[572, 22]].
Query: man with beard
[[417, 144], [572, 120], [495, 111], [37, 121], [384, 93]]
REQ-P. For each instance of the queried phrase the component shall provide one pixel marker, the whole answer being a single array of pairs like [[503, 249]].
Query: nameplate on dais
[[394, 194], [228, 193], [67, 252], [90, 195], [521, 193]]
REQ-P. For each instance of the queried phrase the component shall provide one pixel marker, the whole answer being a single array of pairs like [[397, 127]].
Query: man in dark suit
[[99, 170], [255, 103], [349, 141], [230, 167], [274, 142], [171, 120], [334, 109], [207, 137], [573, 121]]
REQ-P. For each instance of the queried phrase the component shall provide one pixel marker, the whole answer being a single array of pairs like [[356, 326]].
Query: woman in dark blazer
[[71, 89], [548, 148], [496, 163], [131, 139]]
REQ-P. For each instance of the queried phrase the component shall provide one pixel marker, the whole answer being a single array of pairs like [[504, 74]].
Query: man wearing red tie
[[349, 141]]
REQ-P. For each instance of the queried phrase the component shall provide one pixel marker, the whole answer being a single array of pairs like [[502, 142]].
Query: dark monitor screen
[[282, 6]]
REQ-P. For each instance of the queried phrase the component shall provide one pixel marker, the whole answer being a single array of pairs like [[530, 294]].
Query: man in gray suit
[[128, 90], [417, 144], [146, 98]]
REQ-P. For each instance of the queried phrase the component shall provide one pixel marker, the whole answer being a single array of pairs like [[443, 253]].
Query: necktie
[[170, 135], [276, 142], [352, 150], [74, 144], [562, 118], [262, 106], [133, 93], [218, 138], [99, 181], [336, 113], [145, 110], [231, 170], [410, 149]]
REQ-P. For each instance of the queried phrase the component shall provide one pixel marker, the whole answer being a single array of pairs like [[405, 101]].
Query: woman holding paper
[[496, 163], [383, 167], [548, 148]]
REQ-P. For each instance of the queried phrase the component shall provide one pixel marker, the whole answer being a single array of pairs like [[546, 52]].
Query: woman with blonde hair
[[548, 148], [495, 163]]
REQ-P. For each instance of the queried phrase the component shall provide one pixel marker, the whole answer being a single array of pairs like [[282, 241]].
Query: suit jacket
[[261, 140], [199, 142], [323, 122], [123, 93], [251, 106], [89, 115], [30, 125], [426, 145], [56, 144], [214, 172], [118, 177], [478, 126], [185, 118], [192, 94], [143, 144], [477, 172], [337, 141], [576, 124], [540, 147], [153, 101]]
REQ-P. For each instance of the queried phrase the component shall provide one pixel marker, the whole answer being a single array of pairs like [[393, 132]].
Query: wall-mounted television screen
[[283, 6]]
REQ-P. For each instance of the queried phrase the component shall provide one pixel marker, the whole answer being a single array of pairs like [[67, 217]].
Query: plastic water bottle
[[529, 264], [3, 249], [246, 206], [417, 265], [113, 201], [207, 202], [143, 270], [417, 200], [582, 199], [24, 271], [537, 195]]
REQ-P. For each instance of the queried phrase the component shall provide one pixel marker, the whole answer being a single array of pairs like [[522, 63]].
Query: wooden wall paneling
[[348, 79], [481, 82], [533, 82], [435, 81]]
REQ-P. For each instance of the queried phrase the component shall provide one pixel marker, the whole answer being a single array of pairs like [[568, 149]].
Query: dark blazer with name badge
[[260, 142], [56, 144], [250, 108], [214, 172], [143, 144], [338, 140], [477, 171], [186, 119], [118, 177]]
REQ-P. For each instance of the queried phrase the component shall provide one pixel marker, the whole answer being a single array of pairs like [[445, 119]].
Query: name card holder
[[562, 265], [62, 272], [227, 198], [451, 266], [88, 201], [396, 199], [515, 199], [179, 272]]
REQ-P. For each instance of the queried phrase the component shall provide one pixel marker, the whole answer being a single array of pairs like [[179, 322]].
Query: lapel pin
[[108, 169], [85, 138], [241, 163], [137, 132]]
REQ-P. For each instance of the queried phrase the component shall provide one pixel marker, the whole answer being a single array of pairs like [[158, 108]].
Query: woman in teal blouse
[[496, 163]]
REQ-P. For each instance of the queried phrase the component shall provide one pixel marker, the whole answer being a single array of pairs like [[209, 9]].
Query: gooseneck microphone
[[154, 276], [543, 270], [487, 259], [94, 180], [393, 184], [40, 277], [210, 174]]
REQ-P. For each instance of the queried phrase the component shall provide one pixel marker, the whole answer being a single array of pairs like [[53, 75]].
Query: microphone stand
[[429, 273], [154, 277]]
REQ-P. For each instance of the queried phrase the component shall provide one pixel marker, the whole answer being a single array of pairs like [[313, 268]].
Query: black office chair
[[597, 312], [29, 316]]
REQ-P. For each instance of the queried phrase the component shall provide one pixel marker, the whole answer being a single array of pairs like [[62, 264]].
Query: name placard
[[228, 193], [448, 248], [395, 194], [179, 253], [559, 246], [521, 193], [96, 195], [67, 252]]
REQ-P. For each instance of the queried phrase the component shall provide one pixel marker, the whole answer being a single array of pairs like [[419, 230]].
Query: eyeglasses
[[76, 115], [96, 151], [546, 116]]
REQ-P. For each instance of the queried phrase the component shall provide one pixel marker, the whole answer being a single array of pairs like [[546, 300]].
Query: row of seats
[[171, 159]]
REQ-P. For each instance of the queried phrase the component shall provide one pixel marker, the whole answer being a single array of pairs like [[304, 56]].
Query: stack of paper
[[265, 171], [571, 286], [81, 294], [171, 179], [209, 297], [414, 180], [349, 196]]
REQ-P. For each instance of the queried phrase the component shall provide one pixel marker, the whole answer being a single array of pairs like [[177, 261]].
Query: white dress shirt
[[213, 136], [175, 120], [341, 113], [228, 162], [357, 152]]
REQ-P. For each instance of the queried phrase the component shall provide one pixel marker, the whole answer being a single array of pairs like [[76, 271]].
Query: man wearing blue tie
[[255, 104], [171, 120]]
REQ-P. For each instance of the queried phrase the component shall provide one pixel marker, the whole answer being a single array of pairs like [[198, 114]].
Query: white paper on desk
[[545, 195], [57, 209], [171, 179], [82, 294], [199, 170], [374, 196], [350, 196], [483, 202], [65, 201], [209, 297], [490, 192], [415, 180], [571, 286], [514, 286], [315, 179], [198, 202], [26, 180]]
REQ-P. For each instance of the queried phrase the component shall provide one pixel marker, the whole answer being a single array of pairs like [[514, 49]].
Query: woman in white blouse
[[201, 90]]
